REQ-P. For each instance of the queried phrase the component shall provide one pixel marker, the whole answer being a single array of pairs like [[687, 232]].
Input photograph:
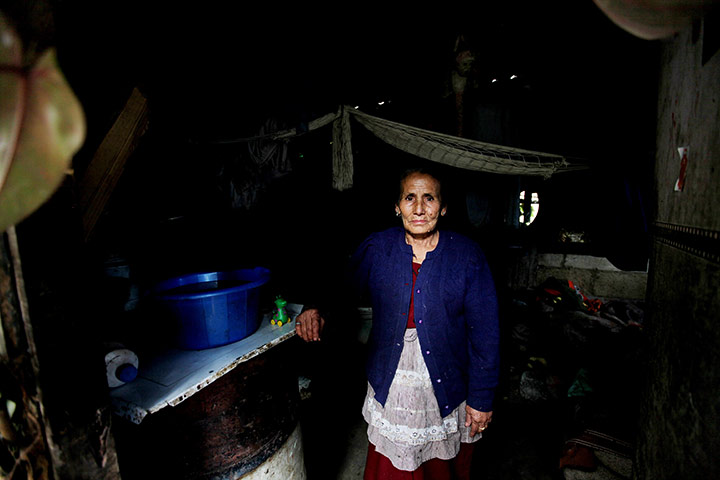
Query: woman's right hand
[[309, 325]]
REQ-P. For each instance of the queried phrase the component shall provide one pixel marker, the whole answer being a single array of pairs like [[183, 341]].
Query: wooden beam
[[108, 162]]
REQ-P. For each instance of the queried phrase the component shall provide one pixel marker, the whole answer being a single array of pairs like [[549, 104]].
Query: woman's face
[[420, 204]]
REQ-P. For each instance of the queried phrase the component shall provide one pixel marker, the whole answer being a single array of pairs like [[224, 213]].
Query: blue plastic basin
[[212, 309]]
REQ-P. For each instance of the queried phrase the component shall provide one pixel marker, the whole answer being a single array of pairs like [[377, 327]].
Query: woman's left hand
[[476, 420]]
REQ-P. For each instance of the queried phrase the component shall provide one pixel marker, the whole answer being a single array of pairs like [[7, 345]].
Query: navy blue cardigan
[[456, 315]]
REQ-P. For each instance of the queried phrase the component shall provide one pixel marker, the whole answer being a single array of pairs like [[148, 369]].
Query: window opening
[[529, 207]]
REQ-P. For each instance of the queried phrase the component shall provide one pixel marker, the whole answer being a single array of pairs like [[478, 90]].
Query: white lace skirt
[[409, 429]]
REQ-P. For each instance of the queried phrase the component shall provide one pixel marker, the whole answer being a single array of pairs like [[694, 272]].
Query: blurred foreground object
[[42, 125], [654, 19]]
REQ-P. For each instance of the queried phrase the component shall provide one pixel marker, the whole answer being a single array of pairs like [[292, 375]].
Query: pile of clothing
[[579, 353]]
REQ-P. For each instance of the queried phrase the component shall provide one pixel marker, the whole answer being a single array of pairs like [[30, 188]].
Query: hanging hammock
[[437, 147]]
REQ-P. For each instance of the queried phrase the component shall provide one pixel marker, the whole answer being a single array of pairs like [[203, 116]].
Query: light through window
[[528, 210]]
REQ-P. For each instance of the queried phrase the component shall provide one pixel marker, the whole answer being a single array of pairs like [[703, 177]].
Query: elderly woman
[[433, 349]]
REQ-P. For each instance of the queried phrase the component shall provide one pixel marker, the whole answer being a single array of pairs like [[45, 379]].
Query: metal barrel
[[241, 421]]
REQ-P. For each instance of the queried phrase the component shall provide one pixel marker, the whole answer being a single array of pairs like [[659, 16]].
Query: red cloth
[[411, 310], [379, 467]]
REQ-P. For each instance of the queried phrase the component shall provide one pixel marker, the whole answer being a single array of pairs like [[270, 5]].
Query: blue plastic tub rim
[[255, 277]]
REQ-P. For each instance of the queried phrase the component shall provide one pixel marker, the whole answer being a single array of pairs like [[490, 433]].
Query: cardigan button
[[419, 321], [427, 352], [439, 380]]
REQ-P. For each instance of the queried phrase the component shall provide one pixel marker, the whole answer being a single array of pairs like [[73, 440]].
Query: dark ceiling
[[224, 69]]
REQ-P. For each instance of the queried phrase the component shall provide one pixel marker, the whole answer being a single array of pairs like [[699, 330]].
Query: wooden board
[[108, 163]]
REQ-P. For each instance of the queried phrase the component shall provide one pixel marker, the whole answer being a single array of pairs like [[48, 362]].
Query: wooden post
[[22, 423]]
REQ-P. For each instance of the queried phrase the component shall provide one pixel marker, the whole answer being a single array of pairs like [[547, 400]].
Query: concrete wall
[[595, 276], [679, 434]]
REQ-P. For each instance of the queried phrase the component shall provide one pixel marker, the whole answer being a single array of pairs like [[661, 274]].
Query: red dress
[[379, 467]]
